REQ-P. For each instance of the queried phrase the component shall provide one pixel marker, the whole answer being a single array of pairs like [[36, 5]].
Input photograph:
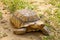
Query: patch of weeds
[[48, 38], [47, 24], [58, 4], [48, 11], [41, 16], [57, 14], [10, 5], [54, 17], [30, 6], [53, 2], [14, 5]]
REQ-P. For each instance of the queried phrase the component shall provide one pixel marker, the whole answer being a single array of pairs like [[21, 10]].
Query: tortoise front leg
[[45, 31]]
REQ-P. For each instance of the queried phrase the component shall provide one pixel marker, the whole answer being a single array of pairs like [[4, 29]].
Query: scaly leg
[[20, 31]]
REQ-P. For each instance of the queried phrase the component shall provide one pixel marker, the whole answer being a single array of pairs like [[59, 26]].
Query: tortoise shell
[[23, 17]]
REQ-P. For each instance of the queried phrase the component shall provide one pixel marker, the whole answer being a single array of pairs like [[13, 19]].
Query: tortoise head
[[40, 24]]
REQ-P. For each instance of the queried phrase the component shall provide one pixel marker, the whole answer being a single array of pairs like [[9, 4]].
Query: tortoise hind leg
[[45, 31], [20, 31]]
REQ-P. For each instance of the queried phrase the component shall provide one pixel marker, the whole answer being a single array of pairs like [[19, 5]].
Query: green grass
[[58, 4], [56, 14], [14, 5], [55, 3], [48, 38]]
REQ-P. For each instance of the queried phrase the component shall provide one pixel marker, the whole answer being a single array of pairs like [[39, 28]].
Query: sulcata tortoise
[[27, 21]]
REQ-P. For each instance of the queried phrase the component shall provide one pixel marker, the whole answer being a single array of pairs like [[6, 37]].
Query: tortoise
[[27, 20]]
